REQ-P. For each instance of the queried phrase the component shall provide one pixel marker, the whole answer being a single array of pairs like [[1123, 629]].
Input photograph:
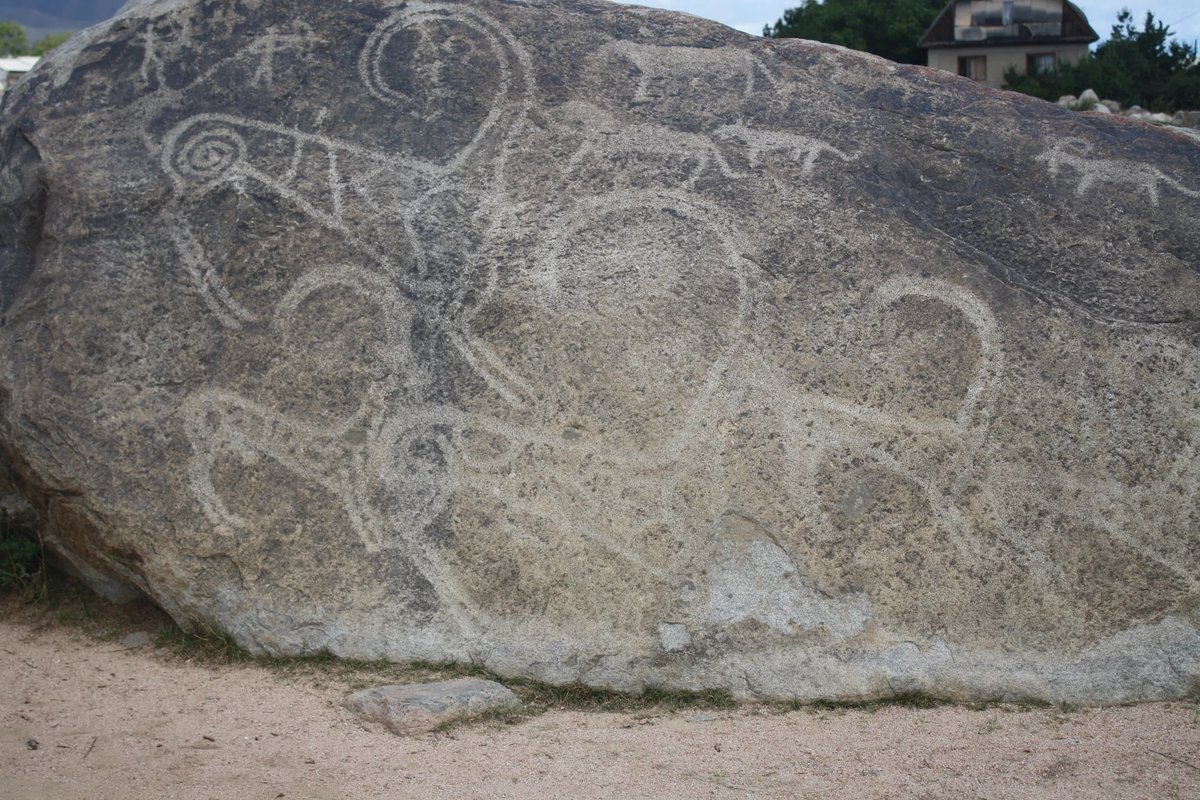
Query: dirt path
[[117, 722]]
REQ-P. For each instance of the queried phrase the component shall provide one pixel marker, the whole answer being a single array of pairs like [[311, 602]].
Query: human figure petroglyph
[[151, 66], [275, 40], [1074, 155]]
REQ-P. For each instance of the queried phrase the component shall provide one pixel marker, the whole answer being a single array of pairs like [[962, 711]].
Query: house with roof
[[13, 68], [983, 39]]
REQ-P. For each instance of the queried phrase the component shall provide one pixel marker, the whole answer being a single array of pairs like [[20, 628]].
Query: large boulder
[[594, 343]]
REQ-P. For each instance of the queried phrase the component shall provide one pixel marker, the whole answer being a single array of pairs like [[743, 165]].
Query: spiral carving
[[206, 154]]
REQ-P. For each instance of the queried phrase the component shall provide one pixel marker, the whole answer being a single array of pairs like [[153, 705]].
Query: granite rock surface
[[593, 343]]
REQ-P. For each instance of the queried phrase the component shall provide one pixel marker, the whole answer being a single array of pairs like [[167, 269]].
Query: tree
[[1134, 67], [888, 28], [49, 42], [13, 41]]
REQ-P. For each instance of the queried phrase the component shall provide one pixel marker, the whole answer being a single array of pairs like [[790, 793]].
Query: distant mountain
[[40, 17]]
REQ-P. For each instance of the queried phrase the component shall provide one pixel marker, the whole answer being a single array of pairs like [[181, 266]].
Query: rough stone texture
[[600, 344], [418, 707]]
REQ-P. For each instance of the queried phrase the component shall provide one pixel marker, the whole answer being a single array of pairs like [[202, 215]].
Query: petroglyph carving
[[1073, 155], [660, 66], [151, 66], [759, 142], [819, 422], [636, 353], [443, 35], [604, 133], [559, 281], [276, 39], [213, 154], [667, 73], [432, 40], [210, 150]]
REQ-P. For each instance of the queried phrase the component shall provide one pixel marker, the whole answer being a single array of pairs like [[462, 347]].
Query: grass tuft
[[68, 602], [22, 560], [207, 641]]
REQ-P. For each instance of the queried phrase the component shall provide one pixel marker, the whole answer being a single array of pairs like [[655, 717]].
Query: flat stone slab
[[418, 707]]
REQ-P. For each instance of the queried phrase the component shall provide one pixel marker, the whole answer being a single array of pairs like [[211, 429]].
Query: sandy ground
[[110, 721]]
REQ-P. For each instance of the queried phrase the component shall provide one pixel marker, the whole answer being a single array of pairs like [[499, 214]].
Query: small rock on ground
[[419, 707], [136, 639]]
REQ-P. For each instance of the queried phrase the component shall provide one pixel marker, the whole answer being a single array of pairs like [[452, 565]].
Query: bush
[[887, 28], [21, 568], [1145, 68]]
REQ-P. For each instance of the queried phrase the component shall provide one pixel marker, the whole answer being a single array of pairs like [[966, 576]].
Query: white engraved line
[[494, 371], [482, 24], [1093, 171], [759, 141], [231, 313]]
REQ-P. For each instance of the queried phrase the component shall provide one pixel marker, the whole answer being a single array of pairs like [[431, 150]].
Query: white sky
[[1182, 16]]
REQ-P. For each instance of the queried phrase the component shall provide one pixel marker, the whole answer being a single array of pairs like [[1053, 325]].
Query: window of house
[[1039, 63], [973, 67]]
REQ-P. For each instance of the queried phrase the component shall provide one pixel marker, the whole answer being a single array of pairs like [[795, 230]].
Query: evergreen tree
[[49, 42], [1134, 67], [13, 41], [888, 28]]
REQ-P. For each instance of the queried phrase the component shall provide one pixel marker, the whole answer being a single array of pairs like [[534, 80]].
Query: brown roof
[[995, 22]]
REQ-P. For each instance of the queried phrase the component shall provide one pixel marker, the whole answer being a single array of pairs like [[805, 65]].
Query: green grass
[[22, 561], [206, 642], [209, 644], [904, 700]]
